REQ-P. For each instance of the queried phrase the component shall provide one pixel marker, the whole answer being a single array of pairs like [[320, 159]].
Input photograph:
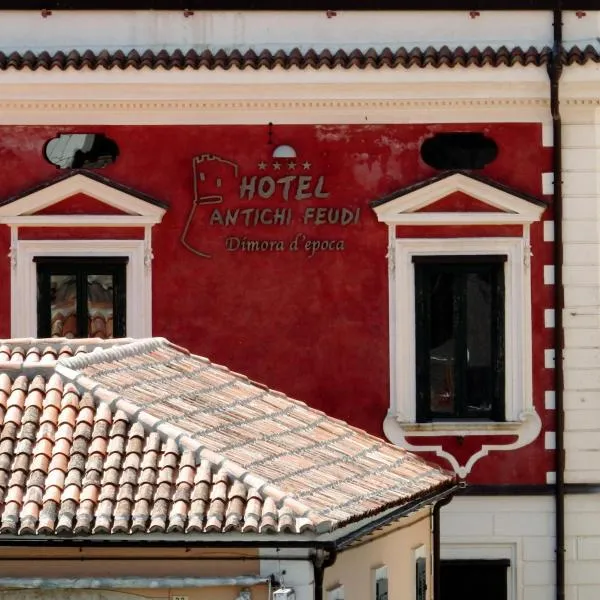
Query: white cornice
[[332, 110]]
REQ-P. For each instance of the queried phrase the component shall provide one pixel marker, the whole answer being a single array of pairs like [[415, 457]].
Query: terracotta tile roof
[[330, 59], [143, 437]]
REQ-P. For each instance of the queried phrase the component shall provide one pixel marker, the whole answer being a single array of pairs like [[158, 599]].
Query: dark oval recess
[[81, 151], [459, 150]]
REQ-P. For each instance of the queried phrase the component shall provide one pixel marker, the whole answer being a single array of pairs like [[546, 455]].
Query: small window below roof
[[81, 297], [459, 150], [81, 150]]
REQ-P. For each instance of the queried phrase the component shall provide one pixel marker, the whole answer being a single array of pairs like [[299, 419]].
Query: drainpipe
[[320, 562], [436, 546], [554, 72]]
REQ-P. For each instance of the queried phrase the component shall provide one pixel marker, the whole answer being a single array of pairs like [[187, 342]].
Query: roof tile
[[74, 463]]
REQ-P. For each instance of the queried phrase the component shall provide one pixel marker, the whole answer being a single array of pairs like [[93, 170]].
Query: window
[[420, 579], [474, 579], [81, 297], [459, 341], [380, 583], [448, 375]]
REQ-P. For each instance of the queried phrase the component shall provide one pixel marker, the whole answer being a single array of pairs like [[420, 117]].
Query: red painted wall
[[313, 324]]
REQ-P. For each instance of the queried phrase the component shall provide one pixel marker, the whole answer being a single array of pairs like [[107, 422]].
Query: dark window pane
[[100, 305], [443, 347], [79, 297], [63, 306], [459, 344], [479, 390]]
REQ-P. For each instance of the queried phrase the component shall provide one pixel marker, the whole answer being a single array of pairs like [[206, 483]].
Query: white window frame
[[517, 320], [377, 574], [405, 209], [138, 278], [520, 415]]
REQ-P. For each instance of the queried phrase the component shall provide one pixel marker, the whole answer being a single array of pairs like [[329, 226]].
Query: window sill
[[399, 432], [449, 427]]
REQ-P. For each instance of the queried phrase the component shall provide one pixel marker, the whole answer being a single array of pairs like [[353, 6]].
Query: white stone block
[[549, 317], [548, 231], [474, 525], [577, 230], [581, 318], [582, 420], [582, 440], [582, 400], [579, 159], [580, 135], [588, 548], [523, 524], [581, 254], [538, 573], [550, 440], [582, 296], [539, 548], [584, 206], [582, 379], [580, 184], [583, 572], [582, 503], [551, 477], [582, 338], [549, 274], [582, 523], [548, 183], [582, 460], [581, 358], [549, 355], [582, 476], [578, 275], [586, 592], [550, 400], [540, 592]]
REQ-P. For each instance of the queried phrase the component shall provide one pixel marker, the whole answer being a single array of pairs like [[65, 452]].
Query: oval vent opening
[[459, 150], [81, 151]]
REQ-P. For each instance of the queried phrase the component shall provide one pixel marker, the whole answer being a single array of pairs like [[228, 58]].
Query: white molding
[[403, 209], [81, 184], [521, 418], [24, 277], [81, 221], [240, 104]]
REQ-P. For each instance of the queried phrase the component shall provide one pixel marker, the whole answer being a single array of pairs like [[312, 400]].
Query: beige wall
[[394, 548]]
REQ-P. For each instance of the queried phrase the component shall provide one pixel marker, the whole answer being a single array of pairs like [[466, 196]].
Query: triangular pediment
[[458, 199], [80, 195]]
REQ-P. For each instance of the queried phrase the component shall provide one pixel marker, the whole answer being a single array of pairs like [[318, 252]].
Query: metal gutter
[[555, 71], [95, 583], [402, 511]]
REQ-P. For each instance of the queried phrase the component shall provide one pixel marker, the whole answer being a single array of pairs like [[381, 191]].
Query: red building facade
[[268, 251]]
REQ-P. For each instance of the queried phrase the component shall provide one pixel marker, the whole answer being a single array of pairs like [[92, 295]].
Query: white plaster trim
[[81, 221], [24, 280], [403, 209], [484, 549], [79, 183], [334, 105], [521, 418]]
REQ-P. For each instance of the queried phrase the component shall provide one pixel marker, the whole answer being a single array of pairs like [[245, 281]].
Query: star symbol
[[262, 165], [277, 166], [291, 165], [306, 165]]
